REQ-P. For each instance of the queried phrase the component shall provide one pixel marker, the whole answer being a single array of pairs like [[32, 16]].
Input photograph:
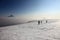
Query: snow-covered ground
[[31, 31]]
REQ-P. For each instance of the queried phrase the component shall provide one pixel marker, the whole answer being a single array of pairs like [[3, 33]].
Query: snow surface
[[31, 31]]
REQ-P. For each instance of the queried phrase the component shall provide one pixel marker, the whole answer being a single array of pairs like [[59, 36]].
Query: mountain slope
[[31, 31]]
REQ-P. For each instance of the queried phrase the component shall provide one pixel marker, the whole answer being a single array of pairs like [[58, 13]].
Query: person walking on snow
[[38, 22], [46, 21]]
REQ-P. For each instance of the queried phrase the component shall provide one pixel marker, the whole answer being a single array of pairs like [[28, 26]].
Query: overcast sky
[[32, 8]]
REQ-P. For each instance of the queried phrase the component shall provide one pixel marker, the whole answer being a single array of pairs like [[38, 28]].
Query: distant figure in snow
[[41, 21], [46, 21], [38, 22]]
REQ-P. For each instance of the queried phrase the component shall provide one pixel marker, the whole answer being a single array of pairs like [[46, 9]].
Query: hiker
[[46, 21], [41, 22], [38, 22]]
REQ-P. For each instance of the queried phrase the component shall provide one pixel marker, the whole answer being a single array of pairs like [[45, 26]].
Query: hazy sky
[[31, 8]]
